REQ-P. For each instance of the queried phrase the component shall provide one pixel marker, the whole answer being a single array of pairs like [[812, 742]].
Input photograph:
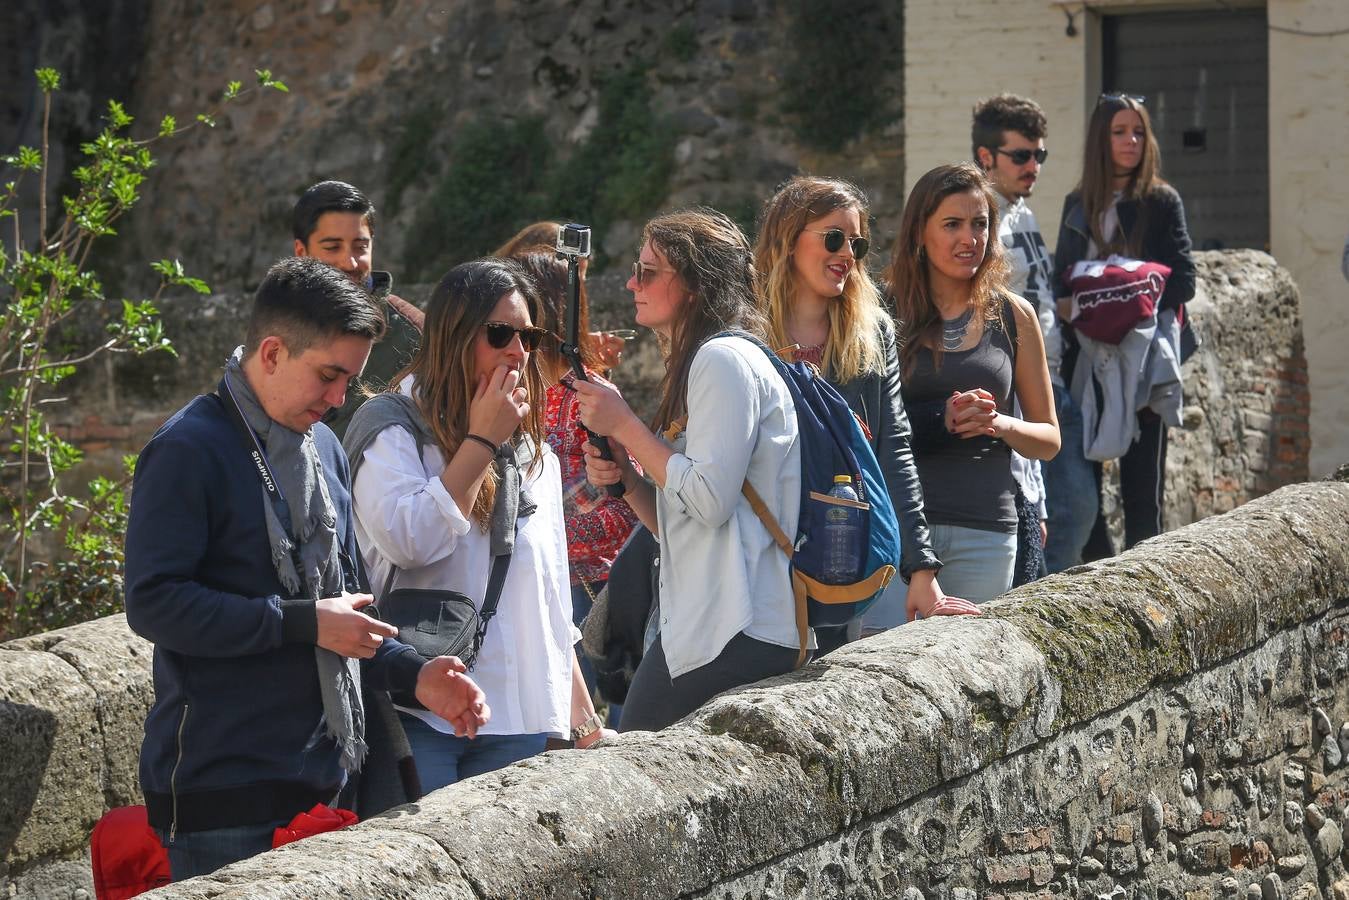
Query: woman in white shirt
[[726, 610], [424, 503]]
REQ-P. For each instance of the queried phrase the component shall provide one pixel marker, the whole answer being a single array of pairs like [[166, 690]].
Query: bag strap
[[798, 582]]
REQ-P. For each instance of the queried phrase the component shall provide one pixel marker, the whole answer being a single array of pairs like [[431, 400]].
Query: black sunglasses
[[834, 238], [1023, 155], [499, 334], [1120, 98]]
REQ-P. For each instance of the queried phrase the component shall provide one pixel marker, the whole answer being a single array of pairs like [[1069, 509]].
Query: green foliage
[[44, 284], [681, 42], [496, 171], [504, 175], [830, 104], [622, 170], [409, 152]]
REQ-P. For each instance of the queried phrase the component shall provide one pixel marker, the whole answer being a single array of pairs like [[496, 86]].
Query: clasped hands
[[972, 413]]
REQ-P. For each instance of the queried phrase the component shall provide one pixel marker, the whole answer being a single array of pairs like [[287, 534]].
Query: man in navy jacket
[[257, 714]]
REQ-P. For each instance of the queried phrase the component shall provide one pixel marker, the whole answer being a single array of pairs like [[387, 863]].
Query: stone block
[[51, 783]]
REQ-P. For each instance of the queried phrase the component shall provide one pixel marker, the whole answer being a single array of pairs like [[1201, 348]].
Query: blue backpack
[[832, 443]]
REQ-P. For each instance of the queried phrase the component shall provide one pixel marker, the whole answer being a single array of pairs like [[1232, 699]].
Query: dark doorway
[[1205, 77]]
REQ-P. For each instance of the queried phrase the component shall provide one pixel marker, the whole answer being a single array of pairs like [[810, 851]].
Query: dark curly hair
[[1006, 112]]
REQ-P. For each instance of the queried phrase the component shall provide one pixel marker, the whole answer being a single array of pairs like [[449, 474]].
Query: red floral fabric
[[597, 524]]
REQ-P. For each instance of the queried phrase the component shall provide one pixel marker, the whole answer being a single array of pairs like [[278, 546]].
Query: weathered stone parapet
[[72, 707], [1166, 723]]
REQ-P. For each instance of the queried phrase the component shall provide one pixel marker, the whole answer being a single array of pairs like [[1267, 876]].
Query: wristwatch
[[588, 727]]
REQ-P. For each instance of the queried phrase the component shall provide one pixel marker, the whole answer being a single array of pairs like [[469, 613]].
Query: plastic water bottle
[[842, 535]]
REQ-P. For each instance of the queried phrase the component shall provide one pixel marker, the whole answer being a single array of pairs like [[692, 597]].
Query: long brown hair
[[854, 344], [1098, 172], [443, 365], [549, 274], [908, 278], [712, 259]]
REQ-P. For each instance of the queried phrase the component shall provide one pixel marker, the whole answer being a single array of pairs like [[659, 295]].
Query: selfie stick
[[573, 243]]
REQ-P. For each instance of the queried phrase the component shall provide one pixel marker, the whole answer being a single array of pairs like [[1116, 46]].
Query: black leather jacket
[[876, 398]]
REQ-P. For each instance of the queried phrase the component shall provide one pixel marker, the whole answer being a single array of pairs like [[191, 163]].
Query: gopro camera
[[574, 241]]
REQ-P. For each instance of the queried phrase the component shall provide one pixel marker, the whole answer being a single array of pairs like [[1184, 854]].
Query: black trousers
[[656, 700], [1142, 484]]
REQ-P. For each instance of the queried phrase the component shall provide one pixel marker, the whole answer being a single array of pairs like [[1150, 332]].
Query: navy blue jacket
[[235, 736]]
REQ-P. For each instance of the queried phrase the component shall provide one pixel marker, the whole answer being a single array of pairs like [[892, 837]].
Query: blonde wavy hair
[[854, 345]]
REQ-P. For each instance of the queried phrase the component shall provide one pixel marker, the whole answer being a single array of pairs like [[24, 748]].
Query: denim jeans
[[976, 565], [193, 853], [1072, 497], [444, 759], [580, 608]]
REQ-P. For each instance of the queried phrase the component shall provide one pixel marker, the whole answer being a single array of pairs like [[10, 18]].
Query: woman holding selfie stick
[[450, 467], [818, 296], [727, 615]]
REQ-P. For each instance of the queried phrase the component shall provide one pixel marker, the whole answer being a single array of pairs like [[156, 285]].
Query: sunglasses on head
[[643, 272], [834, 238], [1023, 155], [1120, 98], [499, 334]]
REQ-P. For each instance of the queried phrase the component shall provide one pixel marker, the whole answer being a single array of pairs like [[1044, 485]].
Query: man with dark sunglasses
[[1008, 134], [335, 223]]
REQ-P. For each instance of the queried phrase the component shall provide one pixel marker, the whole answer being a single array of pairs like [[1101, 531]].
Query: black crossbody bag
[[438, 622]]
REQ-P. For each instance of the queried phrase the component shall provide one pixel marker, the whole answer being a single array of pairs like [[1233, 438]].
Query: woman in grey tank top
[[968, 347]]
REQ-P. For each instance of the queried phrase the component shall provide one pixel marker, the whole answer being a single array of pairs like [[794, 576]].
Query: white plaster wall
[[1309, 200], [958, 52]]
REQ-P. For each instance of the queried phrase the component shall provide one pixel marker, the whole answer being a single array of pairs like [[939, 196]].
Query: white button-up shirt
[[720, 571], [406, 517]]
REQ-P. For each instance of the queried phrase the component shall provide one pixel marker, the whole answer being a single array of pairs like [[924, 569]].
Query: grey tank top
[[968, 482]]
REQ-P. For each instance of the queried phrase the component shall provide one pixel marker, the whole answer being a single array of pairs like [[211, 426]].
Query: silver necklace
[[953, 330]]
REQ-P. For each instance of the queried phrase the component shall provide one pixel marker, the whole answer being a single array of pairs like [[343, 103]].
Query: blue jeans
[[444, 759], [580, 608], [976, 565], [193, 853], [1072, 497]]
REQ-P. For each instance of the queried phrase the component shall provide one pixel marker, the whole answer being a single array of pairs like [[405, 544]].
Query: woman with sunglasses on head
[[969, 350], [597, 524], [817, 295], [435, 466], [727, 616], [1122, 206]]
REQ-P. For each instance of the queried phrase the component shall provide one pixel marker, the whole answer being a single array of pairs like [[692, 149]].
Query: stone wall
[[1170, 723]]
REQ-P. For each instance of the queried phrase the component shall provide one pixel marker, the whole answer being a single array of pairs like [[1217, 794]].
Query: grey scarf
[[295, 465]]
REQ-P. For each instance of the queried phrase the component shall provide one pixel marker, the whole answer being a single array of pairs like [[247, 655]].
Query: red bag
[[1111, 296], [127, 857], [318, 820]]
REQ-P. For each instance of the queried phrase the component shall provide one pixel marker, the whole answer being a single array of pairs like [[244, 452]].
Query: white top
[[405, 516], [1032, 273], [720, 571]]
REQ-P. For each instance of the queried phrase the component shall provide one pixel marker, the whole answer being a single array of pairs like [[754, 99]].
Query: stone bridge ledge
[[829, 763]]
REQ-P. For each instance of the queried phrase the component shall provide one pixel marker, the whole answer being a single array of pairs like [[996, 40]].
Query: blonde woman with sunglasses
[[428, 459], [817, 295]]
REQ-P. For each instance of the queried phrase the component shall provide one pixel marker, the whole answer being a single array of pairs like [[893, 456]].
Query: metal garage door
[[1205, 77]]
